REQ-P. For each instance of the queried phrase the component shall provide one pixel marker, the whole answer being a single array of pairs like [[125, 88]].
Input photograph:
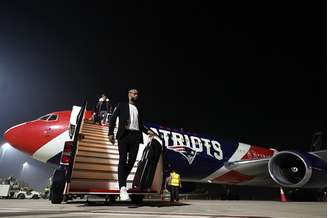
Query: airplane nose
[[9, 135], [15, 136]]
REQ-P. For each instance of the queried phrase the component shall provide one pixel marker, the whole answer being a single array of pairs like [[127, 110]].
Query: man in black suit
[[129, 136]]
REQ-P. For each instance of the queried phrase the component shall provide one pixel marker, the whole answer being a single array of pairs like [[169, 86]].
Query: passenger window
[[45, 117], [53, 117]]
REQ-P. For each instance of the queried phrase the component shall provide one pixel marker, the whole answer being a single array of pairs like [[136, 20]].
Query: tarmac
[[156, 208]]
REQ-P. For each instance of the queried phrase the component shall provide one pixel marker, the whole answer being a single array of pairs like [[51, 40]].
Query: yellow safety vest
[[175, 179]]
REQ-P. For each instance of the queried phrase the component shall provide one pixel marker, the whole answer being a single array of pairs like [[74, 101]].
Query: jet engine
[[294, 169]]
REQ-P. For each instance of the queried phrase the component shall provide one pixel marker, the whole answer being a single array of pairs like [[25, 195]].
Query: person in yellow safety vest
[[175, 184]]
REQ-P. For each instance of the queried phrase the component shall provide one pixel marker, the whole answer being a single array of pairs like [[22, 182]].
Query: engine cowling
[[296, 169]]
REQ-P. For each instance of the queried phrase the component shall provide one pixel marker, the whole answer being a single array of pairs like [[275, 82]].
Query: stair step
[[80, 184], [91, 141], [85, 174], [95, 131], [95, 160], [97, 138], [94, 126], [99, 167], [98, 155], [98, 160], [91, 149], [111, 147], [91, 133]]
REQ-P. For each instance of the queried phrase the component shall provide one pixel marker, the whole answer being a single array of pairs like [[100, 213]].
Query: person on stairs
[[129, 136]]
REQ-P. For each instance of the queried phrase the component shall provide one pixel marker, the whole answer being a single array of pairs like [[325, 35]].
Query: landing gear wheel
[[57, 187], [67, 198], [137, 199], [56, 193], [110, 199]]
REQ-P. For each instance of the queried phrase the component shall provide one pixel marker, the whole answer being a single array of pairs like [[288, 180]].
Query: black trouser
[[128, 146], [174, 193]]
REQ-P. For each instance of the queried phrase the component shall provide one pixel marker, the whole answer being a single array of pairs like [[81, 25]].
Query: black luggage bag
[[144, 175]]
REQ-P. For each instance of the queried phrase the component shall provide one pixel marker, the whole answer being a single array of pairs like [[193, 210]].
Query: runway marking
[[13, 209], [26, 212], [170, 214], [138, 215]]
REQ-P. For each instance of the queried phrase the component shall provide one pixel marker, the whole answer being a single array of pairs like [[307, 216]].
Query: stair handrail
[[79, 120]]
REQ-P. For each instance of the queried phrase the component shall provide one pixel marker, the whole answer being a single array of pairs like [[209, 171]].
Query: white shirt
[[133, 123]]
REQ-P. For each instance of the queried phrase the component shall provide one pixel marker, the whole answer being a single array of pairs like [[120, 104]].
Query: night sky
[[254, 72]]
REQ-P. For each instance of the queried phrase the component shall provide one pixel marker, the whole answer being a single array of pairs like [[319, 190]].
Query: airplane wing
[[257, 168], [321, 154]]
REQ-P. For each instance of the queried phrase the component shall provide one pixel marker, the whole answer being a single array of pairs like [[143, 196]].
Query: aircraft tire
[[136, 199], [57, 193], [57, 186], [110, 199]]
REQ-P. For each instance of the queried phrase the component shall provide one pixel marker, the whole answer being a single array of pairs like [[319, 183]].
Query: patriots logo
[[187, 152]]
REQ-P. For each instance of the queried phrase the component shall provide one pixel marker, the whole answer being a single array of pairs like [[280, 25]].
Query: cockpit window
[[53, 117], [49, 117], [45, 117]]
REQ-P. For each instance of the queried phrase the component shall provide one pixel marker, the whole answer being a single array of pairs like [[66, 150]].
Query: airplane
[[197, 157]]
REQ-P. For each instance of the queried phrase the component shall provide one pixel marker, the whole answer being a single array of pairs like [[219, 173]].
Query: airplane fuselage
[[197, 157]]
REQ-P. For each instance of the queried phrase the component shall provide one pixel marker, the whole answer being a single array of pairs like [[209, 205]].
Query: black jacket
[[123, 112]]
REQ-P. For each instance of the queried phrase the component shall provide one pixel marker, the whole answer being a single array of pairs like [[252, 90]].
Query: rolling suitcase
[[144, 175]]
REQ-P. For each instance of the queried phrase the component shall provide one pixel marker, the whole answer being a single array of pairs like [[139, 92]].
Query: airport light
[[23, 172], [6, 146], [25, 165]]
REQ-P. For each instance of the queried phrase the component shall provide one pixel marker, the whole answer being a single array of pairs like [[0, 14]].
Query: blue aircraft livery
[[198, 156]]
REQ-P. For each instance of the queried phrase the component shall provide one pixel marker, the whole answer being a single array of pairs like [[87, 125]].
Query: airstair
[[89, 164], [96, 162]]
